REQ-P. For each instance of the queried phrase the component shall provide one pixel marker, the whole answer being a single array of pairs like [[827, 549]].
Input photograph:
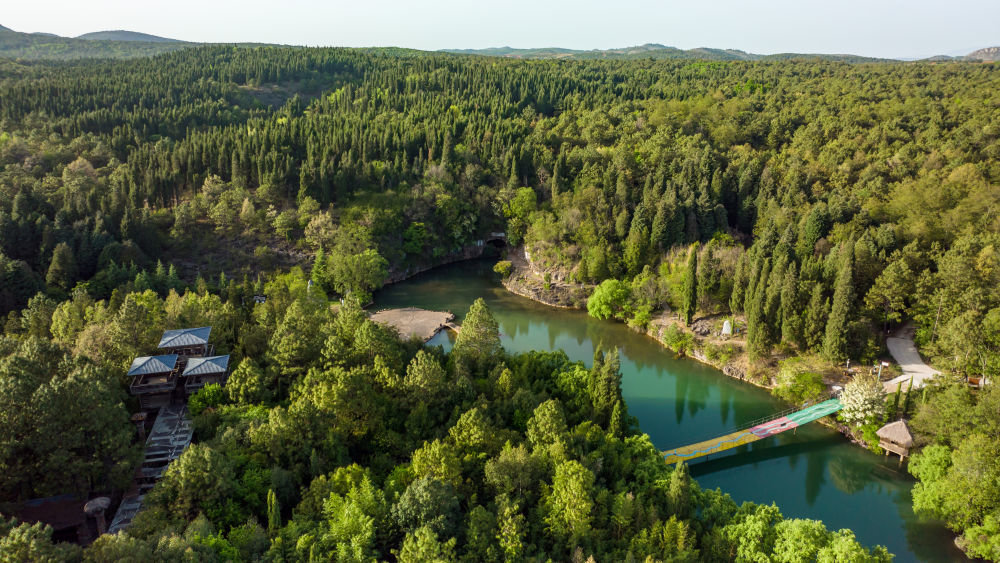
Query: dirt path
[[904, 351]]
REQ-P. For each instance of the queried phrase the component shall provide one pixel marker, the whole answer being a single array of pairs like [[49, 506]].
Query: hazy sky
[[889, 28]]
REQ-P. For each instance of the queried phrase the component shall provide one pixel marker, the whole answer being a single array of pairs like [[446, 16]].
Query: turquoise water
[[814, 473]]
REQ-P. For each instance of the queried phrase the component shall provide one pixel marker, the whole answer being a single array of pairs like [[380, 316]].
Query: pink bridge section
[[775, 426]]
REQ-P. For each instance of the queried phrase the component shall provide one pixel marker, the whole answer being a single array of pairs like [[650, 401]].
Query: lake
[[815, 473]]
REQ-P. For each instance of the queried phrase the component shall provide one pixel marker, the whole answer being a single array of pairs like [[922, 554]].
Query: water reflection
[[814, 473]]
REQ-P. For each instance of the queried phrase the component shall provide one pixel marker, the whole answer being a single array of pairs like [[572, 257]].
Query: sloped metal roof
[[206, 366], [185, 337], [152, 364]]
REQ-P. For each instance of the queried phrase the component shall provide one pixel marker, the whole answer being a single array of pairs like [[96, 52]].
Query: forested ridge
[[827, 200]]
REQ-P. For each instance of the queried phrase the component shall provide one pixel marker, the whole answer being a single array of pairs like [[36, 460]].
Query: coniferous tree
[[791, 313], [691, 285], [62, 269], [758, 337], [318, 274], [835, 339], [273, 513], [478, 341], [738, 296], [816, 316]]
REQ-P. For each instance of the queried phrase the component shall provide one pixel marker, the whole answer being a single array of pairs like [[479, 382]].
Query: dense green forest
[[334, 440], [822, 202]]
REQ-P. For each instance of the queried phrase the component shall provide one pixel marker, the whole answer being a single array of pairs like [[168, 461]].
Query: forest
[[821, 202]]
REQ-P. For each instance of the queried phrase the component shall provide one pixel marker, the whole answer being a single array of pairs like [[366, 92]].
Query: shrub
[[677, 339], [209, 396], [796, 385], [504, 268]]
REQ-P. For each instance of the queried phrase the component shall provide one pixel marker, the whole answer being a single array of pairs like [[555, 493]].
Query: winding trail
[[904, 351]]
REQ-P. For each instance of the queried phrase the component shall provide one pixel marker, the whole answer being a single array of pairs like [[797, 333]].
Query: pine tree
[[62, 269], [691, 285], [478, 342], [679, 491], [835, 340], [173, 281], [319, 275], [160, 277]]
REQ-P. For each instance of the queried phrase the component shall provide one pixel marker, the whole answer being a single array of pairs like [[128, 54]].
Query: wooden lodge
[[895, 437], [205, 371], [154, 379]]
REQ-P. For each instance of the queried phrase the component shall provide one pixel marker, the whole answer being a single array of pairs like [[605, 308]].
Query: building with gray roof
[[205, 371]]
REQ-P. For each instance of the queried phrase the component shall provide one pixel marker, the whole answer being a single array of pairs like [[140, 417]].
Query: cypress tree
[[691, 285], [835, 340], [906, 400], [618, 426], [752, 276], [791, 319], [758, 338], [816, 314], [738, 295], [273, 513], [895, 401], [772, 308]]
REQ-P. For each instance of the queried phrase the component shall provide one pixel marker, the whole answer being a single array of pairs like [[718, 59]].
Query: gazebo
[[153, 376], [895, 437], [203, 371], [186, 342]]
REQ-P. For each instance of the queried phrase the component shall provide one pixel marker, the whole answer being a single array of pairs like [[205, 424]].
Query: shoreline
[[525, 282], [515, 283]]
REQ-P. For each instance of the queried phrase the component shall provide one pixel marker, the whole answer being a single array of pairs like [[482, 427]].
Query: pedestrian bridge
[[775, 424]]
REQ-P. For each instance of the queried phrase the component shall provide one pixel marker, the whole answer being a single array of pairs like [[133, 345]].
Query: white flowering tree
[[863, 399]]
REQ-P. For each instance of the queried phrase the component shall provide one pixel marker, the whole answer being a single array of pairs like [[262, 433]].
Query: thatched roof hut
[[895, 437], [897, 432]]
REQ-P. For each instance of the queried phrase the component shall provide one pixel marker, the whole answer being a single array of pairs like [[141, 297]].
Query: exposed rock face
[[467, 253], [734, 371], [989, 54], [529, 281]]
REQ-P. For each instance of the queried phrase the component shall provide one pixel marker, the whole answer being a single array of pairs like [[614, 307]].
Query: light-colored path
[[905, 353], [412, 322]]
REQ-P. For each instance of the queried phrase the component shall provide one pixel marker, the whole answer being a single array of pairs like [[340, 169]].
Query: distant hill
[[652, 50], [123, 35], [35, 46], [989, 54]]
